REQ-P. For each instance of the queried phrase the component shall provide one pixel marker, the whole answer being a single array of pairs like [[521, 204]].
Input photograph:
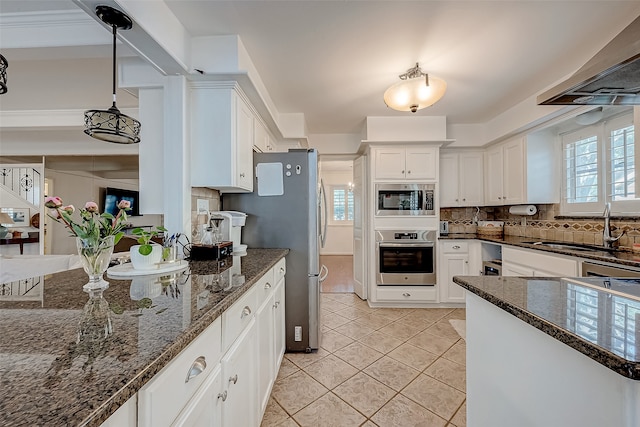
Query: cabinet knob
[[242, 175], [198, 365], [456, 200], [223, 395], [233, 379], [406, 294], [245, 311], [402, 171], [464, 200], [276, 304], [281, 270], [456, 247], [408, 171], [267, 285]]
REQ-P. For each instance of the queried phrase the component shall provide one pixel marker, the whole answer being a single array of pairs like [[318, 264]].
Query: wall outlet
[[297, 333], [202, 205]]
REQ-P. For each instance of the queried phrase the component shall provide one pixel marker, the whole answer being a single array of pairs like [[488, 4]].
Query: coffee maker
[[231, 228]]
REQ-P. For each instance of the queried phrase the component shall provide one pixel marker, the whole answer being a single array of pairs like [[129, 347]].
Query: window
[[342, 204], [599, 167]]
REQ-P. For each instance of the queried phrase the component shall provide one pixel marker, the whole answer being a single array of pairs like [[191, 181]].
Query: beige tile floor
[[381, 367]]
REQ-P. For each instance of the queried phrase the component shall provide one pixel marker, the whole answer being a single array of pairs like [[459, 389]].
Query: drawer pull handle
[[199, 365], [456, 247], [281, 270], [276, 304], [245, 311], [233, 379], [267, 285], [223, 395], [406, 294]]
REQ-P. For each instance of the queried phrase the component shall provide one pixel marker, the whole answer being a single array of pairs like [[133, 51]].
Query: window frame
[[331, 203], [602, 131]]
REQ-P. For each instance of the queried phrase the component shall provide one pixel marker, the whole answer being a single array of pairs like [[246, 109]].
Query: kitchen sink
[[571, 246]]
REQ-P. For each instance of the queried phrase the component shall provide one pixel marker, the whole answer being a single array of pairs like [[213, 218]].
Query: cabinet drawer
[[455, 247], [280, 270], [237, 317], [407, 294], [264, 287], [162, 398]]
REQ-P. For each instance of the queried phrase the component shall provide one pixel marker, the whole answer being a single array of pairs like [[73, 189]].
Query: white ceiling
[[332, 60]]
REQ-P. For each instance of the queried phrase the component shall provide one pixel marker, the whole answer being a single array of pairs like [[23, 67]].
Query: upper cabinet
[[522, 170], [406, 163], [262, 140], [461, 178], [222, 138]]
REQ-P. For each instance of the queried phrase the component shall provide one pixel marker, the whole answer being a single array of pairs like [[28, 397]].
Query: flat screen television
[[112, 197]]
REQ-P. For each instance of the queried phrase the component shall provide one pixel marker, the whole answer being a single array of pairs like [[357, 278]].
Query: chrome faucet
[[607, 239]]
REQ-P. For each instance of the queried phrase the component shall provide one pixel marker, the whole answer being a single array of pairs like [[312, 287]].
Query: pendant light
[[3, 74], [111, 125], [416, 91]]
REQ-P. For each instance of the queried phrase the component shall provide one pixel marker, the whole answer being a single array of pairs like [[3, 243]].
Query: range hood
[[611, 77]]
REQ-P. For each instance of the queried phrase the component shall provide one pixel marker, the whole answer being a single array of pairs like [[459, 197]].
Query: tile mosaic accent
[[545, 224]]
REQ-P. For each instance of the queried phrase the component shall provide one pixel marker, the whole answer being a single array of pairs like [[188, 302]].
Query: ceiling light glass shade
[[111, 125], [3, 74], [416, 93], [590, 117]]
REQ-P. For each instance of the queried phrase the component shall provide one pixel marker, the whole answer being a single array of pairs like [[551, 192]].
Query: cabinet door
[[454, 265], [509, 269], [205, 408], [244, 145], [266, 350], [494, 176], [449, 180], [471, 181], [279, 325], [239, 380], [389, 163], [421, 163], [514, 173], [260, 137]]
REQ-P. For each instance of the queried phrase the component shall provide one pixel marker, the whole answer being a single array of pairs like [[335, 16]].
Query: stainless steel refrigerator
[[287, 209]]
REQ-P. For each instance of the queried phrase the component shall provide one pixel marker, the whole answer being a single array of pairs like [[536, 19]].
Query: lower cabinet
[[523, 262], [225, 376], [457, 258]]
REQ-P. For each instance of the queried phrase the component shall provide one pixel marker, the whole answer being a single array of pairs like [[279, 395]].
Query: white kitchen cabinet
[[262, 141], [461, 178], [205, 408], [408, 295], [454, 261], [124, 416], [265, 320], [522, 170], [222, 138], [279, 326], [406, 163], [240, 382], [526, 262]]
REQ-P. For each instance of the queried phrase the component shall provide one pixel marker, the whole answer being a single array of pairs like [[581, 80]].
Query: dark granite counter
[[599, 317], [56, 366], [616, 257]]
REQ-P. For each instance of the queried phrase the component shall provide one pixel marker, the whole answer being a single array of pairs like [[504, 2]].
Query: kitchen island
[[552, 351], [53, 372]]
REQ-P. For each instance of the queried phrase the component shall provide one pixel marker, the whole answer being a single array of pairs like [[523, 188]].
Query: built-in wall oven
[[405, 199], [405, 258]]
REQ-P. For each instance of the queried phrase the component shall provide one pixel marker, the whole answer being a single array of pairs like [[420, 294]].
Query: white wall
[[77, 188], [339, 237]]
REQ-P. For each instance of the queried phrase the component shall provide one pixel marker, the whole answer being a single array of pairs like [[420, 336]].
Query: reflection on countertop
[[583, 313], [617, 257], [68, 359]]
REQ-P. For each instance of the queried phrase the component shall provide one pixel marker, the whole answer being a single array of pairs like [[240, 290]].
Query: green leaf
[[145, 249]]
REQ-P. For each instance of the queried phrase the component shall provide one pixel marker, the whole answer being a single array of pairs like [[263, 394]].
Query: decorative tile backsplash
[[545, 224]]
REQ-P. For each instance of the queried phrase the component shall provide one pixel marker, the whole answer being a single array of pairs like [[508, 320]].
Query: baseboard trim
[[336, 253]]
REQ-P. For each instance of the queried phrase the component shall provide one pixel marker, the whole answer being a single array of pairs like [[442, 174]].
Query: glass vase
[[95, 255]]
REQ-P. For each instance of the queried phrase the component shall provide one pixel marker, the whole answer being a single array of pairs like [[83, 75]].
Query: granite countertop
[[599, 317], [616, 257], [53, 372]]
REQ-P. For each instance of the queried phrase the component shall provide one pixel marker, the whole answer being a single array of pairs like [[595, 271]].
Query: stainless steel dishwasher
[[592, 269]]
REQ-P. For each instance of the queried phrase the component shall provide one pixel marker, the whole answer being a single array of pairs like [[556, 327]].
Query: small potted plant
[[147, 254]]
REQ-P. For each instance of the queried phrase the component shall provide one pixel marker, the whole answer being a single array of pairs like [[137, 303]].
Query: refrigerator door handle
[[323, 202], [323, 277]]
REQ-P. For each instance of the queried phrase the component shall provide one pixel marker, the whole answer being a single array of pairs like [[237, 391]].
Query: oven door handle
[[404, 245]]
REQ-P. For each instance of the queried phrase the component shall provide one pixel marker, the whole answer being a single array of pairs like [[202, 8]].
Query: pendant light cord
[[114, 63]]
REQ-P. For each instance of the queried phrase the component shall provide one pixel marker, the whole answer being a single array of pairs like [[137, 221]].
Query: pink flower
[[91, 207], [124, 204], [69, 209], [53, 202], [54, 213]]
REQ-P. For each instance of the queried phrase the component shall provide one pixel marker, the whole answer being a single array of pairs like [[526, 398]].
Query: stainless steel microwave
[[405, 199]]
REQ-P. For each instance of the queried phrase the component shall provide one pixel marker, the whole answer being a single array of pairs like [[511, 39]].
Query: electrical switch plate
[[297, 333]]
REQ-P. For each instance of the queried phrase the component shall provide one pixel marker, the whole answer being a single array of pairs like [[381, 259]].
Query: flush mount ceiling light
[[590, 117], [3, 74], [111, 125], [416, 91]]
